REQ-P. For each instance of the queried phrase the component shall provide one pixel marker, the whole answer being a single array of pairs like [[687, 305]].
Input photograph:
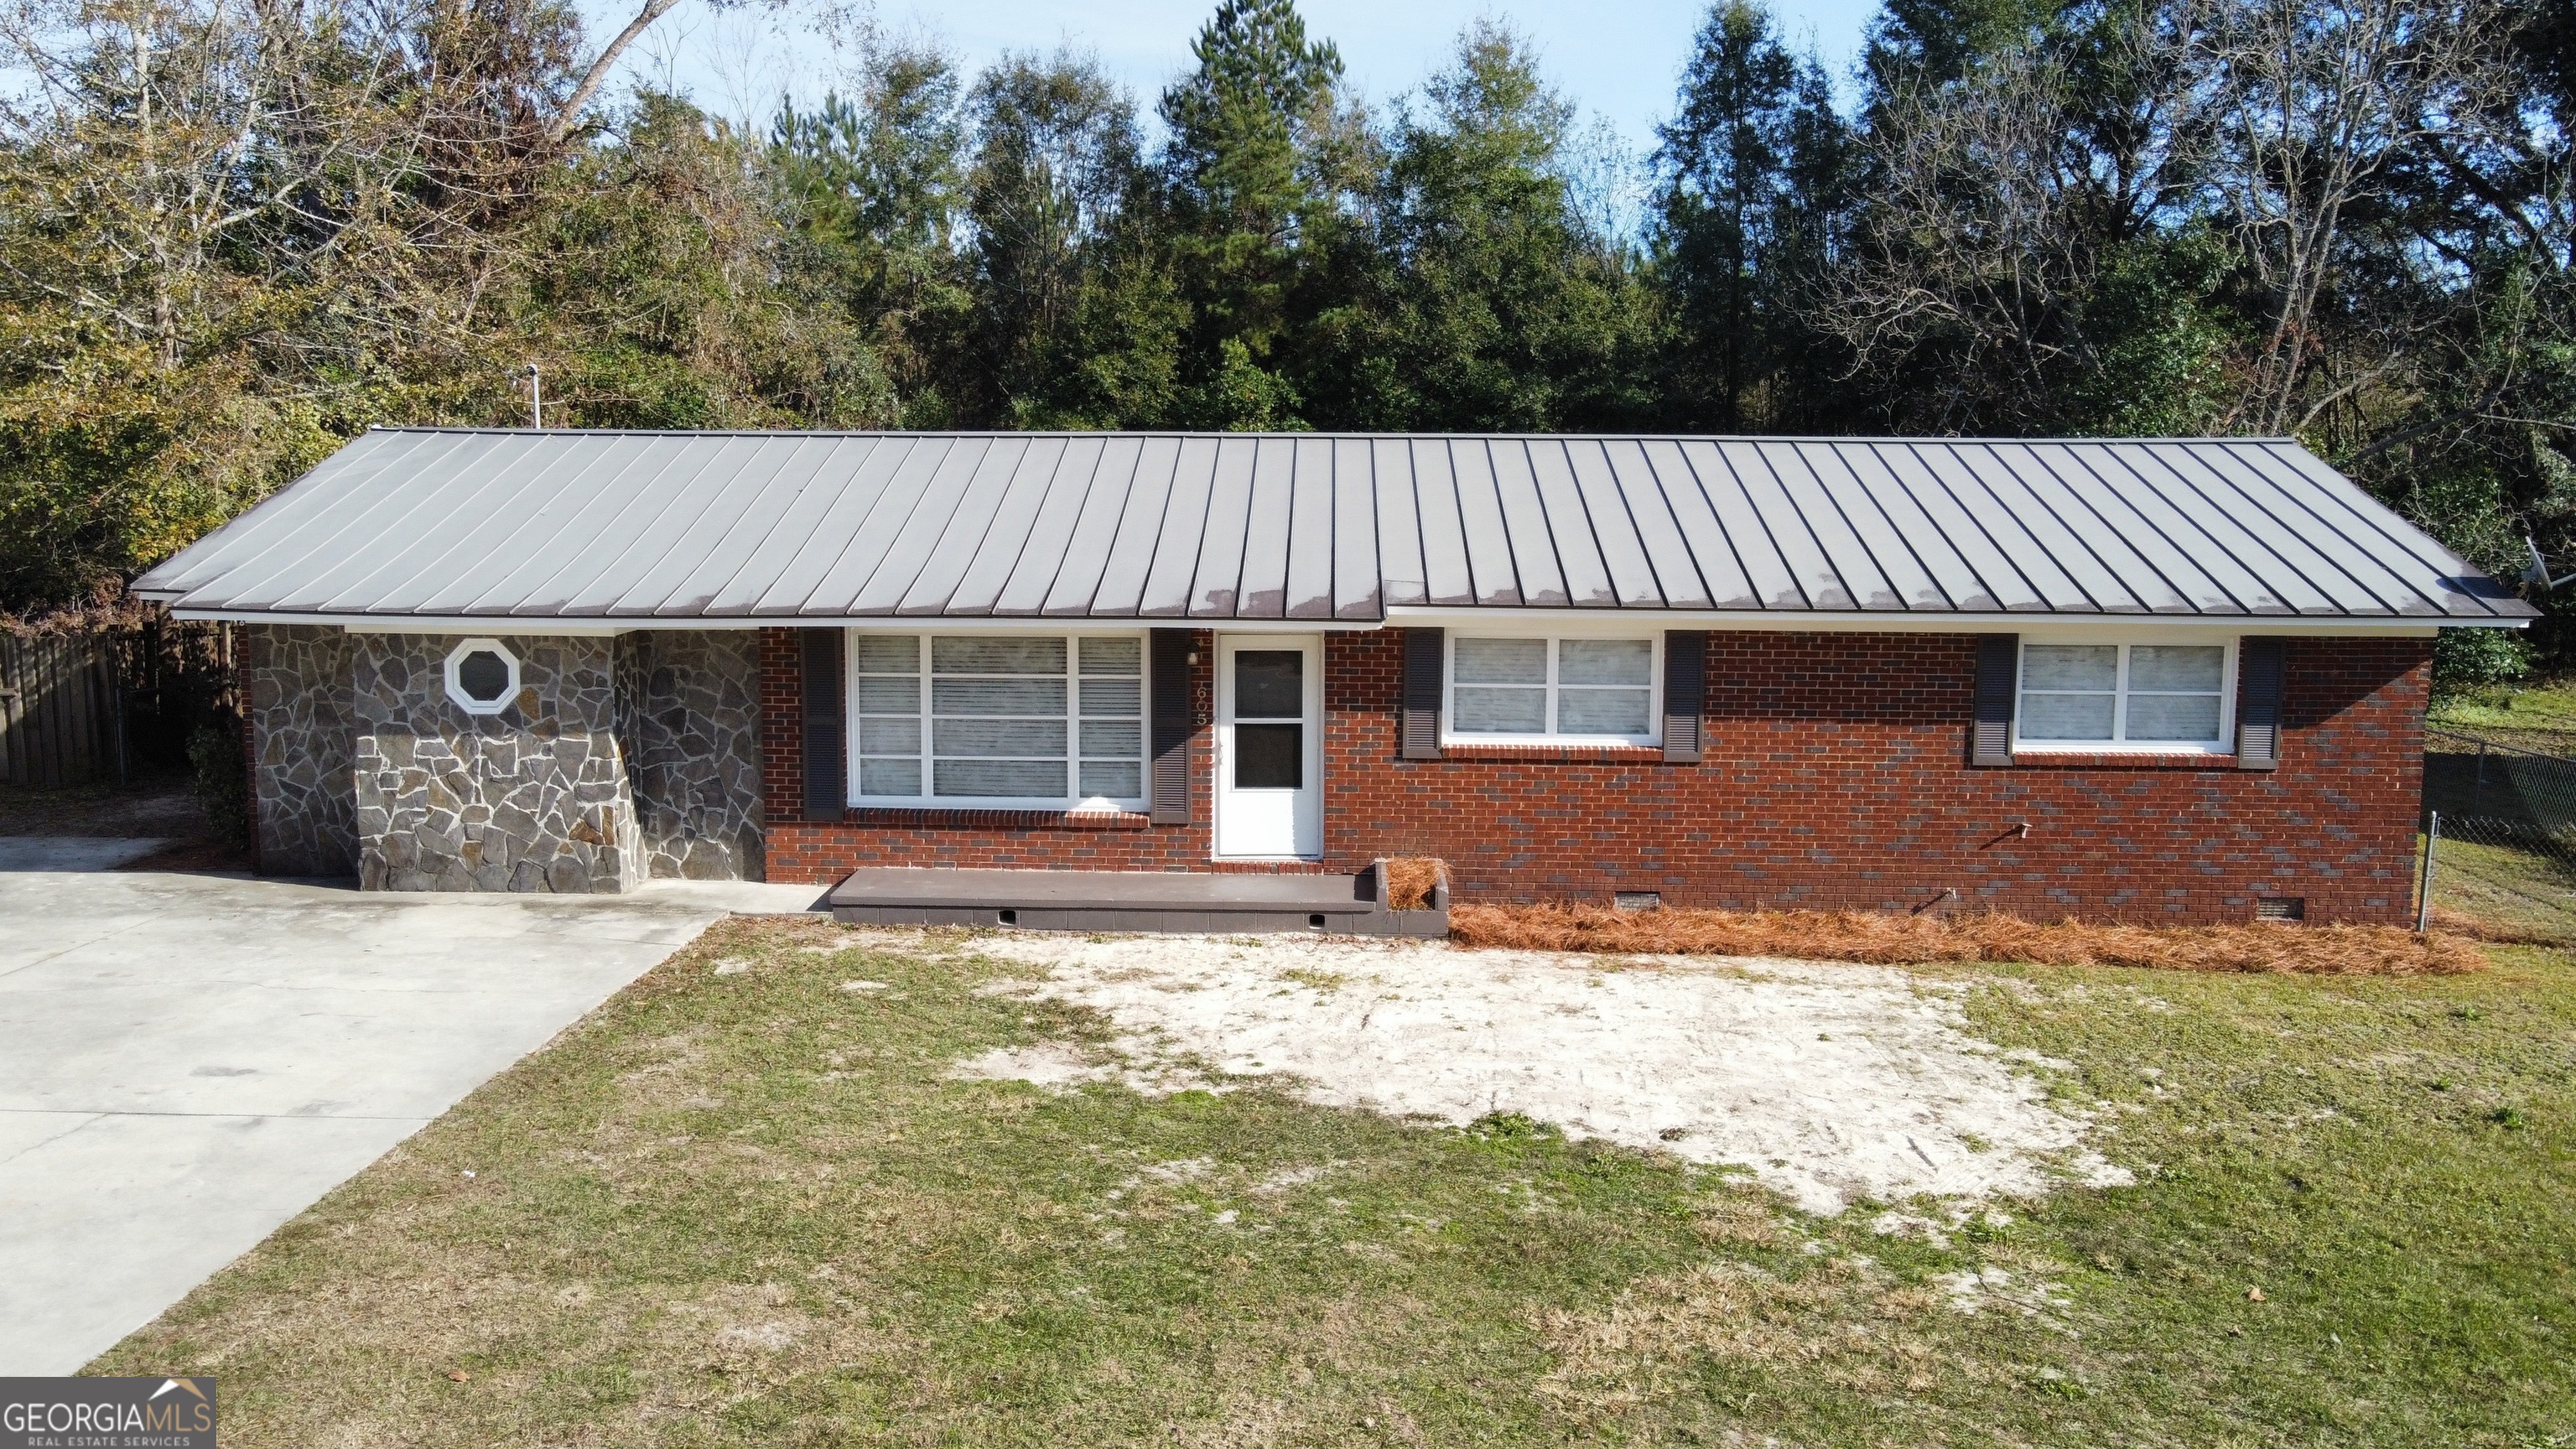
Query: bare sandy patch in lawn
[[1830, 1082], [1063, 1065]]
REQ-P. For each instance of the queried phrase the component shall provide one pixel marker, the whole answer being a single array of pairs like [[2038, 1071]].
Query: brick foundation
[[1835, 775]]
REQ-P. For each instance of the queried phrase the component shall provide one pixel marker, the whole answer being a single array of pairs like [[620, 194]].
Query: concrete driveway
[[192, 1060]]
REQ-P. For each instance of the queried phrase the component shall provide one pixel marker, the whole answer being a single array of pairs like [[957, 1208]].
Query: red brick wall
[[800, 852], [1836, 775]]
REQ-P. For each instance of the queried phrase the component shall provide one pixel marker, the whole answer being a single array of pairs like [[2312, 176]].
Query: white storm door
[[1269, 746]]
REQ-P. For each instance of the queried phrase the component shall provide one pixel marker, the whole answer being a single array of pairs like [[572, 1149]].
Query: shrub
[[219, 780], [2473, 658]]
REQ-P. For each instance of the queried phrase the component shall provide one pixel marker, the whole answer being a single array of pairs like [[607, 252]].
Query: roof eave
[[1873, 621]]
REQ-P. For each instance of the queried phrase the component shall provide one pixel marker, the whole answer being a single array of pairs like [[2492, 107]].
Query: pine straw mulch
[[1875, 939], [1410, 879], [2495, 933]]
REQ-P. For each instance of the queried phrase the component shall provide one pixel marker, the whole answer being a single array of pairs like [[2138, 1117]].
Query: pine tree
[[1077, 321], [1756, 172], [876, 183], [1253, 173], [1492, 305]]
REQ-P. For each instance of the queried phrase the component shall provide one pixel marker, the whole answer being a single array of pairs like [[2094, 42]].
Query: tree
[[878, 183], [2312, 105], [1489, 304], [669, 288], [227, 234], [1756, 172], [2469, 422], [2029, 244], [1258, 163], [594, 76], [1057, 167], [1932, 43]]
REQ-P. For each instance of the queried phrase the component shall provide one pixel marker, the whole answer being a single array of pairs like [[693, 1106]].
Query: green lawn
[[2541, 705], [2519, 889], [750, 1208]]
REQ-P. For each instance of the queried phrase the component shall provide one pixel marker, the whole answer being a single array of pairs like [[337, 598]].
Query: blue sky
[[1618, 60]]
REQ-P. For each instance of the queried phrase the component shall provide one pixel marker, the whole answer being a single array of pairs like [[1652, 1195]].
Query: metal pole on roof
[[2424, 884]]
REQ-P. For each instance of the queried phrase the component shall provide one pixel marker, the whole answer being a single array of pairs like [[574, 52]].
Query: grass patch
[[1887, 939], [2544, 705], [753, 1208], [2493, 891]]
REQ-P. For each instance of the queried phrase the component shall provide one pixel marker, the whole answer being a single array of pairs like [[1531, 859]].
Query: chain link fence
[[2501, 829]]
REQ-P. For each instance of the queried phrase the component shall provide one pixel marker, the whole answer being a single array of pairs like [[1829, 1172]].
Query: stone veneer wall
[[296, 680], [535, 798], [689, 714]]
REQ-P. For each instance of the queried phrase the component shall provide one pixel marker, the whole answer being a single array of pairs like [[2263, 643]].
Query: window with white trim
[[482, 676], [2090, 696], [998, 720], [1555, 691]]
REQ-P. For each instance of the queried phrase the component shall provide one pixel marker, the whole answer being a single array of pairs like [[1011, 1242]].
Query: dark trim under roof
[[602, 527]]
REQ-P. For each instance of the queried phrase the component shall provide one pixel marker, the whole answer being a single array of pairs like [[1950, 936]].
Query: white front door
[[1269, 746]]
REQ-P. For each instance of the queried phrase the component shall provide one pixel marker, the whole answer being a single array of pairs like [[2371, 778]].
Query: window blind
[[1044, 720], [1539, 688]]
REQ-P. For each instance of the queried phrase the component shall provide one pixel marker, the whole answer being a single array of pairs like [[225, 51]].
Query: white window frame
[[2224, 744], [456, 689], [1073, 723], [1653, 738]]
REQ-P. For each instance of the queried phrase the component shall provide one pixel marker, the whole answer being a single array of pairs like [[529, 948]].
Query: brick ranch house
[[2147, 680]]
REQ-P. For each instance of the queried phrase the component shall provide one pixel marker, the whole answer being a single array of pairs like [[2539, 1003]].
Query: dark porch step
[[1127, 900]]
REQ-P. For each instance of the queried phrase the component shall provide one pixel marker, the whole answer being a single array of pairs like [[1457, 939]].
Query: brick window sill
[[1555, 754], [897, 818], [2119, 760]]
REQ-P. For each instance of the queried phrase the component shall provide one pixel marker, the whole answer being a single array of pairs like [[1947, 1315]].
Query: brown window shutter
[[827, 739], [2258, 703], [1685, 693], [1998, 671], [1418, 736], [1171, 686]]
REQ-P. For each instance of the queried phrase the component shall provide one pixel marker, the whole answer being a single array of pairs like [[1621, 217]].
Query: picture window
[[1048, 721]]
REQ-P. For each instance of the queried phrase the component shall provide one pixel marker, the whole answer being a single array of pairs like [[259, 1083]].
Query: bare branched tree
[[604, 64], [173, 161], [1993, 202], [1997, 200], [219, 217], [2311, 105]]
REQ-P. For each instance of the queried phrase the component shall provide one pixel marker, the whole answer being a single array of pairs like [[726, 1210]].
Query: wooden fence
[[62, 717], [81, 708]]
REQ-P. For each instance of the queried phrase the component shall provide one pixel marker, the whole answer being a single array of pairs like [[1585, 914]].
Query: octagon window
[[482, 676]]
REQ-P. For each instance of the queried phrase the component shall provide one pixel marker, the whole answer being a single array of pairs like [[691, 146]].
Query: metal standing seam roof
[[605, 526]]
